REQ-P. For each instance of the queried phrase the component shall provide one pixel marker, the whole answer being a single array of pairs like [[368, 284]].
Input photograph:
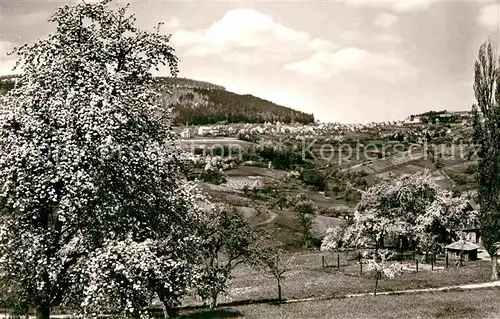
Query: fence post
[[416, 260], [338, 261], [360, 264], [323, 261], [461, 257], [446, 260], [432, 261]]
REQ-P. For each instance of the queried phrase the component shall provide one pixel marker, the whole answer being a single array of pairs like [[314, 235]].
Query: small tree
[[272, 260], [228, 242], [439, 162], [281, 200], [304, 210], [379, 264]]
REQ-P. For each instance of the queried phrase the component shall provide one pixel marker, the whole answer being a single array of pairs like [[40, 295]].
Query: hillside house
[[458, 114], [186, 133], [410, 120], [215, 131], [204, 130]]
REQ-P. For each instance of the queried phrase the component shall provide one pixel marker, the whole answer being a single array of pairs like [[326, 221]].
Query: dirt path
[[271, 218], [483, 285], [491, 284]]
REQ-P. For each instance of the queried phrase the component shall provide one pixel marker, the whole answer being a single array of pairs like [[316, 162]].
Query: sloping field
[[240, 182], [377, 166], [193, 144], [405, 169], [321, 224], [437, 175], [256, 171]]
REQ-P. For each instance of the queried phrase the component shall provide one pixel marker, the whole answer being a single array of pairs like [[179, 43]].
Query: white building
[[204, 130], [186, 133], [413, 120]]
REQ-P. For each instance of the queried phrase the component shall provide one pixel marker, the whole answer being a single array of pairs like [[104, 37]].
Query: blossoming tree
[[411, 207], [94, 208], [380, 265]]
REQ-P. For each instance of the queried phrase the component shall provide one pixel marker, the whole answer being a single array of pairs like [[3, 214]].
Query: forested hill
[[189, 83], [199, 103]]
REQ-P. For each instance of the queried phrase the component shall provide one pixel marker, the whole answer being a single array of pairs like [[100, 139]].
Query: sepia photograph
[[260, 159]]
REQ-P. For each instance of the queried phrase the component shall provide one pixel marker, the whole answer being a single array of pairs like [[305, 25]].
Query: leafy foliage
[[284, 159], [314, 178], [7, 83]]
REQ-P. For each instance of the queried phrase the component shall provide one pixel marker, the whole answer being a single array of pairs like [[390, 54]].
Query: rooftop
[[462, 245]]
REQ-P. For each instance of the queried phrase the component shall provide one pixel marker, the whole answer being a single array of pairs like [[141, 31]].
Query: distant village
[[451, 127]]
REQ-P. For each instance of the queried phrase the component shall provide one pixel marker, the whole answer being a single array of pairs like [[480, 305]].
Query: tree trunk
[[494, 272], [43, 312], [213, 304], [279, 292], [169, 309], [377, 276]]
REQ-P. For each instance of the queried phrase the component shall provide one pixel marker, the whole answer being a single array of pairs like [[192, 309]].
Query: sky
[[351, 61]]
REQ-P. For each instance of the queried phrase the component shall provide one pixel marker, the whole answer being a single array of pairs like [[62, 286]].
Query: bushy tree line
[[284, 159], [179, 82]]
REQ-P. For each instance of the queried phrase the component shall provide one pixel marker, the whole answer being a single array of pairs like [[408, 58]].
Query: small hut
[[463, 248]]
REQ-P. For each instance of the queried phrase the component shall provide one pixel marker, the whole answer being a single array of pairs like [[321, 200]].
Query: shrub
[[439, 163], [212, 176], [471, 169], [460, 179], [281, 159], [314, 178]]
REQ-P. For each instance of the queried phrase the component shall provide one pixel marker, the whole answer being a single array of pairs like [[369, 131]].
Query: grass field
[[308, 279], [452, 304]]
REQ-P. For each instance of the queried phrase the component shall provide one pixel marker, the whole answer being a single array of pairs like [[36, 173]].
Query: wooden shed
[[463, 248]]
